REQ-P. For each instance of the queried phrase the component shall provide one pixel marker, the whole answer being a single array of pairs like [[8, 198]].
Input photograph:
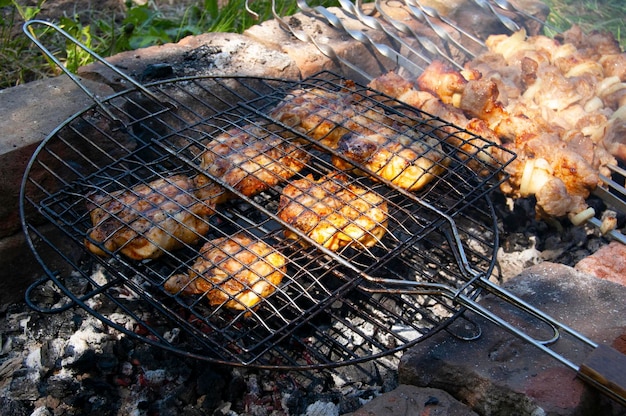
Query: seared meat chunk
[[252, 159], [236, 271], [149, 219], [409, 160], [333, 212]]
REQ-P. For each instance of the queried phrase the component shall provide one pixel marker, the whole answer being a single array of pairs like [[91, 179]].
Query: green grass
[[141, 26], [604, 15], [19, 61]]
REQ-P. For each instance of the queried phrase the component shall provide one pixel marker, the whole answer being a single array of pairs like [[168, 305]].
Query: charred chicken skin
[[252, 159], [333, 212], [149, 219], [236, 271], [382, 143]]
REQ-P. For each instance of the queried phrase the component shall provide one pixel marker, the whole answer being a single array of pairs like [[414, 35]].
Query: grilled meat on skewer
[[558, 105]]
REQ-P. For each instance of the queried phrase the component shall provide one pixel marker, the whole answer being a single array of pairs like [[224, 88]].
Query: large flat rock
[[409, 400], [30, 113], [500, 374], [214, 54]]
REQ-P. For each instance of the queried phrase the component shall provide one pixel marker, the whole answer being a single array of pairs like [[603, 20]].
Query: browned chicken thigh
[[333, 212], [409, 160], [323, 115], [236, 271], [149, 219], [252, 159]]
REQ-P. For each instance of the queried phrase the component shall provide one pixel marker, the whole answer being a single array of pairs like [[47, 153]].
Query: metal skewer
[[434, 13], [440, 31], [610, 191], [383, 49], [426, 43], [508, 23]]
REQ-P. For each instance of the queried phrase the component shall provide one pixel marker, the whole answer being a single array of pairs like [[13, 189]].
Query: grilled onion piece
[[409, 160], [145, 221], [333, 212], [252, 159], [236, 271]]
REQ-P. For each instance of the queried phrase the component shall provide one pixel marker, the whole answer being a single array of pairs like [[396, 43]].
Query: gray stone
[[500, 374], [30, 113], [221, 54], [407, 400]]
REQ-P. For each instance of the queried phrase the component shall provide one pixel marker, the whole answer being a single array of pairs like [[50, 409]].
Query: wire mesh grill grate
[[317, 315]]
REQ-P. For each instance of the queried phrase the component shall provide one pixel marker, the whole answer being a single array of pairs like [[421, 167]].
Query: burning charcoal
[[154, 378], [51, 352], [157, 71], [296, 402], [237, 387], [25, 383], [349, 404], [107, 363], [223, 410], [60, 386], [211, 385], [12, 407]]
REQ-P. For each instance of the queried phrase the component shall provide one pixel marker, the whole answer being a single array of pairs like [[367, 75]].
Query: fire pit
[[317, 305], [449, 232]]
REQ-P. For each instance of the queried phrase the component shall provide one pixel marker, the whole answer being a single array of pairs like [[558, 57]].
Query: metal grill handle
[[27, 28]]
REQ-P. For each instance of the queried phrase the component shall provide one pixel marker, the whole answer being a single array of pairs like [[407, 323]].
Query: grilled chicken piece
[[322, 115], [145, 221], [344, 122], [476, 147], [333, 212], [252, 159], [326, 116], [236, 271], [409, 160]]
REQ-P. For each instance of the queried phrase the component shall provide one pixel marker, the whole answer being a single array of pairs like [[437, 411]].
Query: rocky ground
[[72, 364]]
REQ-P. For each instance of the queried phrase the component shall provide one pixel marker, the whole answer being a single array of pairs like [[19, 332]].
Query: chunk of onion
[[582, 216], [593, 105], [537, 172], [609, 221], [526, 177], [586, 67], [606, 83], [619, 114], [456, 99]]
